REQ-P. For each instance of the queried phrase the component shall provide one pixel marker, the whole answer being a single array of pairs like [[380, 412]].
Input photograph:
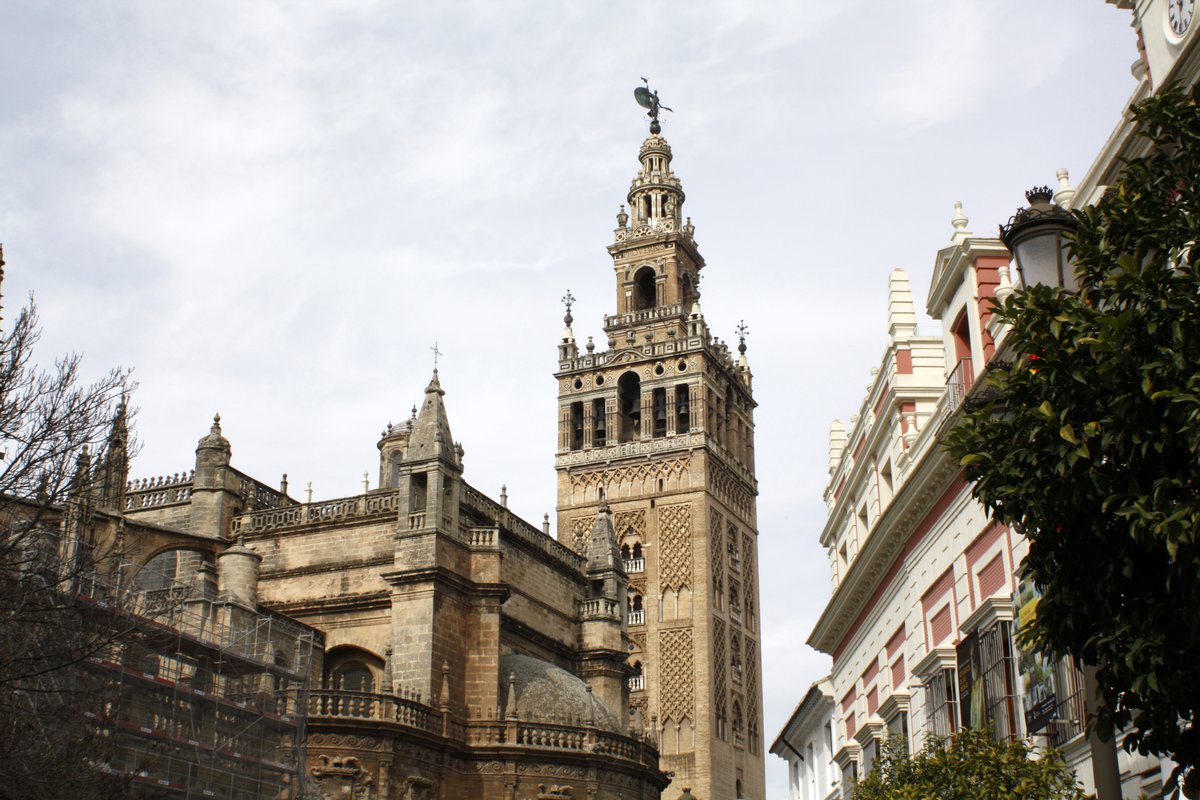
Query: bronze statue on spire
[[649, 100]]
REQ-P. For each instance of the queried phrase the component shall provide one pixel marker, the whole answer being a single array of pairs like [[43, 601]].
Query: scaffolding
[[203, 697]]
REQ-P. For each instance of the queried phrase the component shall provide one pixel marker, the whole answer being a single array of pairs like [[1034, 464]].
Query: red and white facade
[[926, 595]]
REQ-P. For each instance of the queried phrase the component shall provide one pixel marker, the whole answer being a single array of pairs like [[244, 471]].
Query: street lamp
[[1037, 238]]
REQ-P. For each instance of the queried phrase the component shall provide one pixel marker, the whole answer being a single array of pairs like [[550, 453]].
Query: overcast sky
[[274, 209]]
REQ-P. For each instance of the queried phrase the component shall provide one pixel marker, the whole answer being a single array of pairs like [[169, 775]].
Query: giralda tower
[[660, 427]]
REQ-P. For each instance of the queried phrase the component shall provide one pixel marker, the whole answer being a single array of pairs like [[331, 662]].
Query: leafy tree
[[1090, 443], [48, 746], [970, 766]]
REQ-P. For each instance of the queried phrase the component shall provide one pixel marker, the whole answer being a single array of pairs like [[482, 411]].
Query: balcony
[[336, 710], [959, 383], [637, 617], [637, 683], [633, 565]]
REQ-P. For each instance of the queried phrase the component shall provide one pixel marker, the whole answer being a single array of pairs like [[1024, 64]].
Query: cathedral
[[452, 649]]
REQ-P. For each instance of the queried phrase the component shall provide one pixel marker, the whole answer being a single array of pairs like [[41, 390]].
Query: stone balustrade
[[344, 508], [330, 705], [599, 608], [519, 528], [409, 712], [483, 537], [159, 491], [644, 315]]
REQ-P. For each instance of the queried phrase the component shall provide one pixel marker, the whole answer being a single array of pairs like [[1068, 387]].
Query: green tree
[[1090, 443], [971, 766]]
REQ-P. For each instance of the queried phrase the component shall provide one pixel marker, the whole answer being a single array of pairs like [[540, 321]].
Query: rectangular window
[[999, 678], [898, 729], [849, 775], [941, 702], [991, 577], [418, 492], [683, 409], [1070, 712], [660, 412], [869, 754], [577, 426], [940, 625], [600, 431]]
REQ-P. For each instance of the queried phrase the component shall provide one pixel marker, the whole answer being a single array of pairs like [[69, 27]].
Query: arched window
[[629, 400], [169, 569], [637, 612], [637, 681], [738, 722], [159, 572], [354, 671], [354, 676], [645, 292]]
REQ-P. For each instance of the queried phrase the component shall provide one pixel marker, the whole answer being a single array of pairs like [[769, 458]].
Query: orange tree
[[1090, 443], [970, 766]]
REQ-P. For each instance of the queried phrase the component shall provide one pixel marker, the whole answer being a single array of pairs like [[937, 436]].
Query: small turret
[[430, 436], [216, 492], [603, 619], [237, 574], [113, 472], [604, 561]]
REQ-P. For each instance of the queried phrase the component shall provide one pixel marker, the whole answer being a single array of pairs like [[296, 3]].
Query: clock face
[[1179, 14]]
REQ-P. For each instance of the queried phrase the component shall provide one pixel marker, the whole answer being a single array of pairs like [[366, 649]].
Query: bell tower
[[659, 427]]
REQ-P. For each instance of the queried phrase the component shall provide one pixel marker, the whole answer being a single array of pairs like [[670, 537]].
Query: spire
[[960, 224], [902, 314], [83, 472], [567, 349], [603, 555], [742, 331], [430, 435], [510, 699], [114, 470]]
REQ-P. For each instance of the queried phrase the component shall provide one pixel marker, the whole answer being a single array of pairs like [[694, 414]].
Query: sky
[[274, 210]]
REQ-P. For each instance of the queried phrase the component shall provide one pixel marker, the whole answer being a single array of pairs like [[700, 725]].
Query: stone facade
[[466, 652], [659, 425]]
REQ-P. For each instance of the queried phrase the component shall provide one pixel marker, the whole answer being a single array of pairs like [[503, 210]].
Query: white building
[[807, 744]]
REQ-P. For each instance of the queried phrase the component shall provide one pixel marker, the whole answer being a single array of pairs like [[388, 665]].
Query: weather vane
[[436, 353], [649, 100], [742, 331]]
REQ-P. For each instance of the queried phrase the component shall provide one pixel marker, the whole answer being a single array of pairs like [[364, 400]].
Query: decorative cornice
[[936, 659], [930, 479], [987, 614]]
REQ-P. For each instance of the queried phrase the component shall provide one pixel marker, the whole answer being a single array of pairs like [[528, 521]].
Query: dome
[[546, 693], [214, 440]]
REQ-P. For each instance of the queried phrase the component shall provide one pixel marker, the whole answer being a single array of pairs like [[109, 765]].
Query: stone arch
[[170, 567], [645, 289], [353, 669]]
